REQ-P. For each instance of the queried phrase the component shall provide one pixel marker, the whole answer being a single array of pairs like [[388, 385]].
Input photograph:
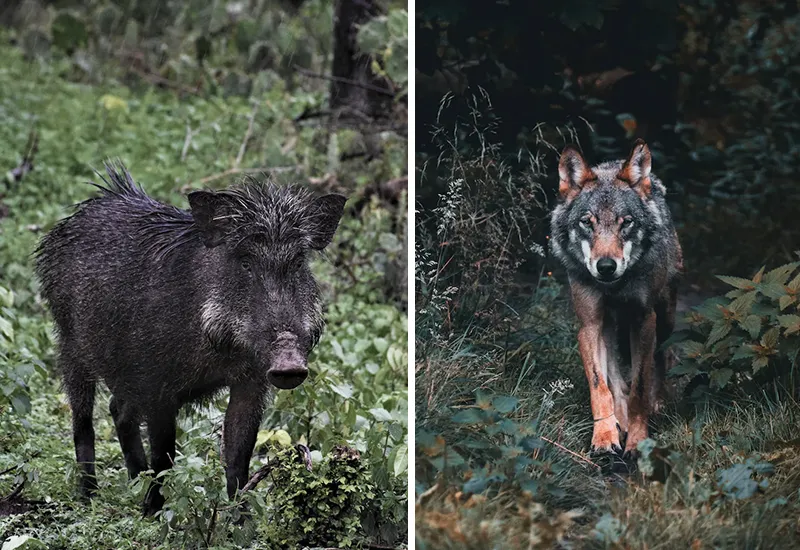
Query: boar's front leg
[[161, 430], [242, 419]]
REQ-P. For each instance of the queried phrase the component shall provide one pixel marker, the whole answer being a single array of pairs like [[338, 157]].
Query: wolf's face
[[608, 215]]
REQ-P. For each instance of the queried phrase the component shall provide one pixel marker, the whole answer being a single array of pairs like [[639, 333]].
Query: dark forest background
[[710, 85]]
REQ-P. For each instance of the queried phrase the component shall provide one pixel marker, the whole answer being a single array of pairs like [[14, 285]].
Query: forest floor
[[719, 475]]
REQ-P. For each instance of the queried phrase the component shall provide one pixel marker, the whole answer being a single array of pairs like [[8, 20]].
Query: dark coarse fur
[[614, 234], [168, 306]]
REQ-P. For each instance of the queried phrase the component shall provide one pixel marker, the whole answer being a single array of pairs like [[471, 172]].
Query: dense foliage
[[174, 141]]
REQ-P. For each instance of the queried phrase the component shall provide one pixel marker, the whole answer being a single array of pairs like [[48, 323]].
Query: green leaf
[[745, 351], [759, 363], [718, 332], [381, 415], [69, 32], [505, 404], [692, 348], [794, 284], [23, 542], [752, 324], [786, 301], [770, 338], [684, 367], [720, 378], [743, 305], [780, 275], [400, 465], [738, 282], [468, 416], [772, 290], [787, 321], [345, 390]]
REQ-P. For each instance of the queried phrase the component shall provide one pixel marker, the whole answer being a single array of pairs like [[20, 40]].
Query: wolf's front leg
[[643, 379], [605, 436], [588, 305]]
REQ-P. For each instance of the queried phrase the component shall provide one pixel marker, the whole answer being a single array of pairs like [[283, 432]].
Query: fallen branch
[[378, 89], [573, 453], [264, 471], [14, 493], [243, 147], [14, 467], [31, 148]]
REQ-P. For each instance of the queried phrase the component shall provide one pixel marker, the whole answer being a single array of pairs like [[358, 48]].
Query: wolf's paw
[[637, 432], [605, 438]]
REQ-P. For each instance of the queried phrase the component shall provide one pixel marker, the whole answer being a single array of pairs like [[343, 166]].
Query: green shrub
[[732, 338]]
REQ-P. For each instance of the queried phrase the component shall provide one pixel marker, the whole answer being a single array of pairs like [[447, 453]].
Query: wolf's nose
[[606, 267]]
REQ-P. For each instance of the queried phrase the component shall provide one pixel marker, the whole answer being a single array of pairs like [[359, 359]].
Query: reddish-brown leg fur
[[589, 309], [643, 379]]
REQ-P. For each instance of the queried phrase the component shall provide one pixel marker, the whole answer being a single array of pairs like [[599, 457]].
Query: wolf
[[613, 232]]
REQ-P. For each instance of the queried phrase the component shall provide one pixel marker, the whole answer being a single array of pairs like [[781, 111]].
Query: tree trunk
[[354, 90]]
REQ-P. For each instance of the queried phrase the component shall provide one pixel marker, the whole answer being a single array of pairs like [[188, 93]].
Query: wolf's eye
[[627, 222], [586, 222]]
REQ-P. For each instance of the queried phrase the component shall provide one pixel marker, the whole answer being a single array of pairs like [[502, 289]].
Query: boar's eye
[[246, 264]]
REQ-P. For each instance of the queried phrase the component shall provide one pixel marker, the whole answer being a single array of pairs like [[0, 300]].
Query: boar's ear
[[573, 172], [636, 170], [326, 212], [206, 209]]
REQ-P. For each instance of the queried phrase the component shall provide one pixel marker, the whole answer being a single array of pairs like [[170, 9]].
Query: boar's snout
[[289, 366]]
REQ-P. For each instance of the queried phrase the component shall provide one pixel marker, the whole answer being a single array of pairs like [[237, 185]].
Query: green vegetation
[[351, 413]]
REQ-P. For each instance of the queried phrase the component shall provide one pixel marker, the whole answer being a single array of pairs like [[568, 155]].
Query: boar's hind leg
[[242, 419], [80, 388], [161, 429], [126, 421]]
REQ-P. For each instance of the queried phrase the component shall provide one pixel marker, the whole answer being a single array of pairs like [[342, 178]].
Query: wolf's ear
[[636, 170], [573, 172]]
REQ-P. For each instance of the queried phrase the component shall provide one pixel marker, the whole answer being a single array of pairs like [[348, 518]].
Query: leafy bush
[[18, 362], [319, 507], [491, 449], [732, 338], [386, 38]]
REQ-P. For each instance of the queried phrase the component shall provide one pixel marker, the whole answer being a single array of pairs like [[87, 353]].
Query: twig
[[211, 525], [34, 455], [305, 115], [31, 148], [234, 171], [264, 471], [156, 79], [15, 493], [573, 453], [247, 135], [384, 91], [189, 135]]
